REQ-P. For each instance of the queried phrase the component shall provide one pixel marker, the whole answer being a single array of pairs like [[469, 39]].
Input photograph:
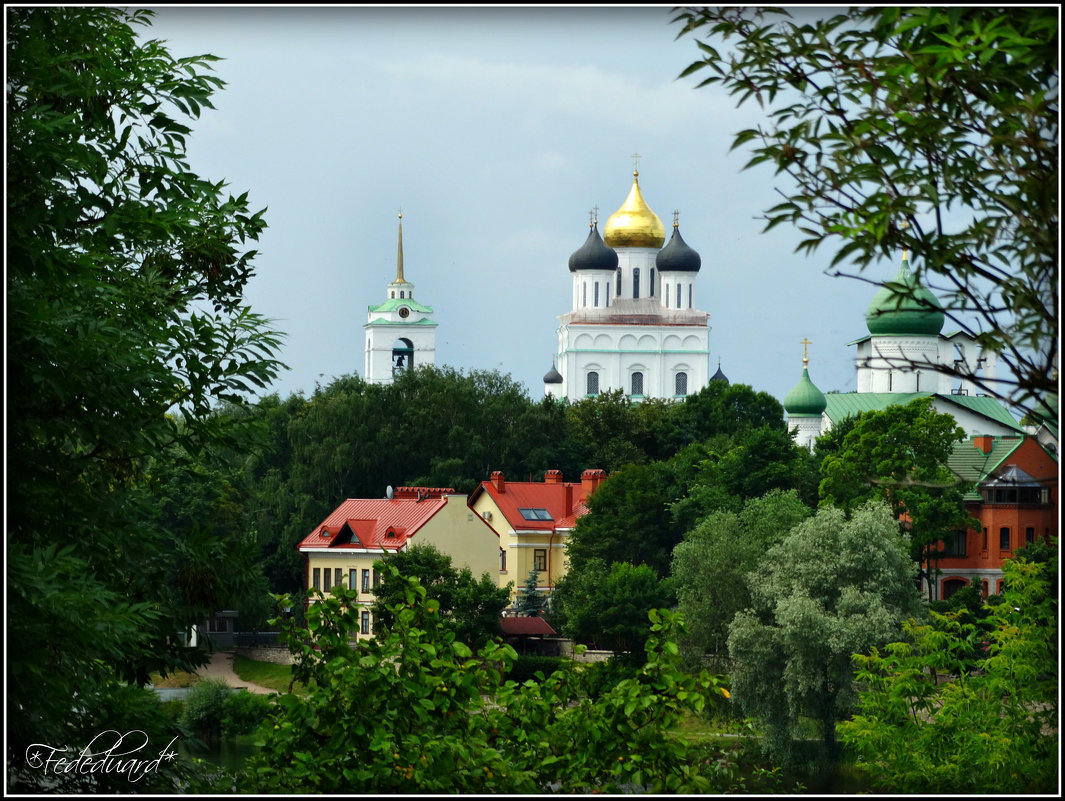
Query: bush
[[243, 712], [525, 667], [204, 708], [604, 676]]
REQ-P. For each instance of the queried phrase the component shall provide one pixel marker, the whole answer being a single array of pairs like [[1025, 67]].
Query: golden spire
[[905, 251], [399, 255], [805, 359]]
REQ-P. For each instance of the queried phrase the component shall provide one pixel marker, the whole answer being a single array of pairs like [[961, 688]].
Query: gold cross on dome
[[636, 163], [676, 216], [804, 343]]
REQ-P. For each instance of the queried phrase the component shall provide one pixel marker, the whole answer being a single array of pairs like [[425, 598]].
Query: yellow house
[[533, 521], [344, 546]]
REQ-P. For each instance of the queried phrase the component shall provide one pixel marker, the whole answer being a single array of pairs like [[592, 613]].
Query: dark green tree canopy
[[126, 329], [929, 129]]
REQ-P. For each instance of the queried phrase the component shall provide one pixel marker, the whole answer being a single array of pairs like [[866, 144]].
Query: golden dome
[[634, 225]]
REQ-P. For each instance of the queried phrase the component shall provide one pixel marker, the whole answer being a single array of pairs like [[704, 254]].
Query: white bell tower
[[400, 333]]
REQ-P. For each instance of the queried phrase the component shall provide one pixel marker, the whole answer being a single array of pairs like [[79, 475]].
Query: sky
[[495, 130]]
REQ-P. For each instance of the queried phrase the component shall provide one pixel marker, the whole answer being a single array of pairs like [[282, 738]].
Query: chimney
[[983, 444], [567, 509], [498, 481], [553, 477], [590, 480]]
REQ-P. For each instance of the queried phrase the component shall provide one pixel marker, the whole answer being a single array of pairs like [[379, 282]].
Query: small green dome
[[913, 311], [805, 400]]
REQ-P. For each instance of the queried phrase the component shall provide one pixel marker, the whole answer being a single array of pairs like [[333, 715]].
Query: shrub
[[204, 708], [243, 712], [525, 667]]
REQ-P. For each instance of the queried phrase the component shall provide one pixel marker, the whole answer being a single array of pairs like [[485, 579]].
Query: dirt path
[[221, 667]]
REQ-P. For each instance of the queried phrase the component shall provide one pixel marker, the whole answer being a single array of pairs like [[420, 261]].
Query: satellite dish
[[388, 492]]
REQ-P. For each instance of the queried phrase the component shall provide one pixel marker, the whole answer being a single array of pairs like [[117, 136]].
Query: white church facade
[[400, 333], [905, 356], [633, 323]]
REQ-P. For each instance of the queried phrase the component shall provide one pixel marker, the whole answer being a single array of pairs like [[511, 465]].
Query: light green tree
[[414, 710], [833, 587], [126, 328], [710, 567], [943, 118], [991, 729]]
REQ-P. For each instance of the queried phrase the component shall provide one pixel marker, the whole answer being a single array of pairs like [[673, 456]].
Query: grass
[[266, 674], [178, 678]]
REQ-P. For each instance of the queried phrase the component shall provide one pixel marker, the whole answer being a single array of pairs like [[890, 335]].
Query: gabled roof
[[841, 405], [526, 625], [536, 495], [377, 523], [970, 463]]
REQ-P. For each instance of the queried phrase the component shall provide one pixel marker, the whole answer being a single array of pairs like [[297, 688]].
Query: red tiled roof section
[[372, 520], [564, 501], [526, 625]]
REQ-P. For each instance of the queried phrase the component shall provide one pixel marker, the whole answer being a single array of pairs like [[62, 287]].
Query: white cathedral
[[633, 323]]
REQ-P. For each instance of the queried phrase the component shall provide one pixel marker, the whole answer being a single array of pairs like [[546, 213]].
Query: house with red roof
[[533, 521], [1015, 498], [343, 548]]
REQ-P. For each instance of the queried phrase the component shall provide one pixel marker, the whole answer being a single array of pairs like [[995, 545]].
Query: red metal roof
[[377, 522], [526, 625], [563, 501]]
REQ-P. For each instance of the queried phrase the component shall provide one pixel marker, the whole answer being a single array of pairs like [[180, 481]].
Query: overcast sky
[[495, 130]]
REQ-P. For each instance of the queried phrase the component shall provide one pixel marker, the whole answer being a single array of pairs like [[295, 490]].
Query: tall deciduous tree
[[833, 587], [945, 118], [900, 455], [126, 326], [710, 567]]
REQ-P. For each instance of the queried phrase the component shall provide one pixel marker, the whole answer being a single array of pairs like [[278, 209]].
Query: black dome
[[677, 257], [593, 254], [553, 376]]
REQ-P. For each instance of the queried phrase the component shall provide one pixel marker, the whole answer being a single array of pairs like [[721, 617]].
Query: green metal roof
[[840, 406], [392, 304], [970, 463], [805, 399], [904, 307]]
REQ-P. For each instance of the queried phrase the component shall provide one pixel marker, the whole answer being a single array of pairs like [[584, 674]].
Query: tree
[[608, 606], [984, 731], [711, 565], [416, 711], [945, 119], [900, 455], [531, 602], [834, 587], [126, 328], [469, 607]]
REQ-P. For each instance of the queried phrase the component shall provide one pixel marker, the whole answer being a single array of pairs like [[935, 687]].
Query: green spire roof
[[805, 400], [903, 307]]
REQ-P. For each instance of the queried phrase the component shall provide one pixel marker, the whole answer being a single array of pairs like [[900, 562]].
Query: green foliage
[[126, 329], [608, 606], [243, 712], [205, 708], [945, 118], [415, 711], [710, 567], [900, 454], [531, 602], [469, 607], [526, 666], [831, 588], [984, 730]]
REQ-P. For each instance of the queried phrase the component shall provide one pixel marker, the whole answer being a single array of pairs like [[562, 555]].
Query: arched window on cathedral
[[584, 293], [617, 292], [637, 384], [593, 383], [651, 292], [596, 298], [667, 295], [681, 384], [402, 356], [636, 282], [690, 295]]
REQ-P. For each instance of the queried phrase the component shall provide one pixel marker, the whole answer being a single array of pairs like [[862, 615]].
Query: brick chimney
[[567, 500], [553, 477], [498, 481], [590, 480], [983, 444]]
